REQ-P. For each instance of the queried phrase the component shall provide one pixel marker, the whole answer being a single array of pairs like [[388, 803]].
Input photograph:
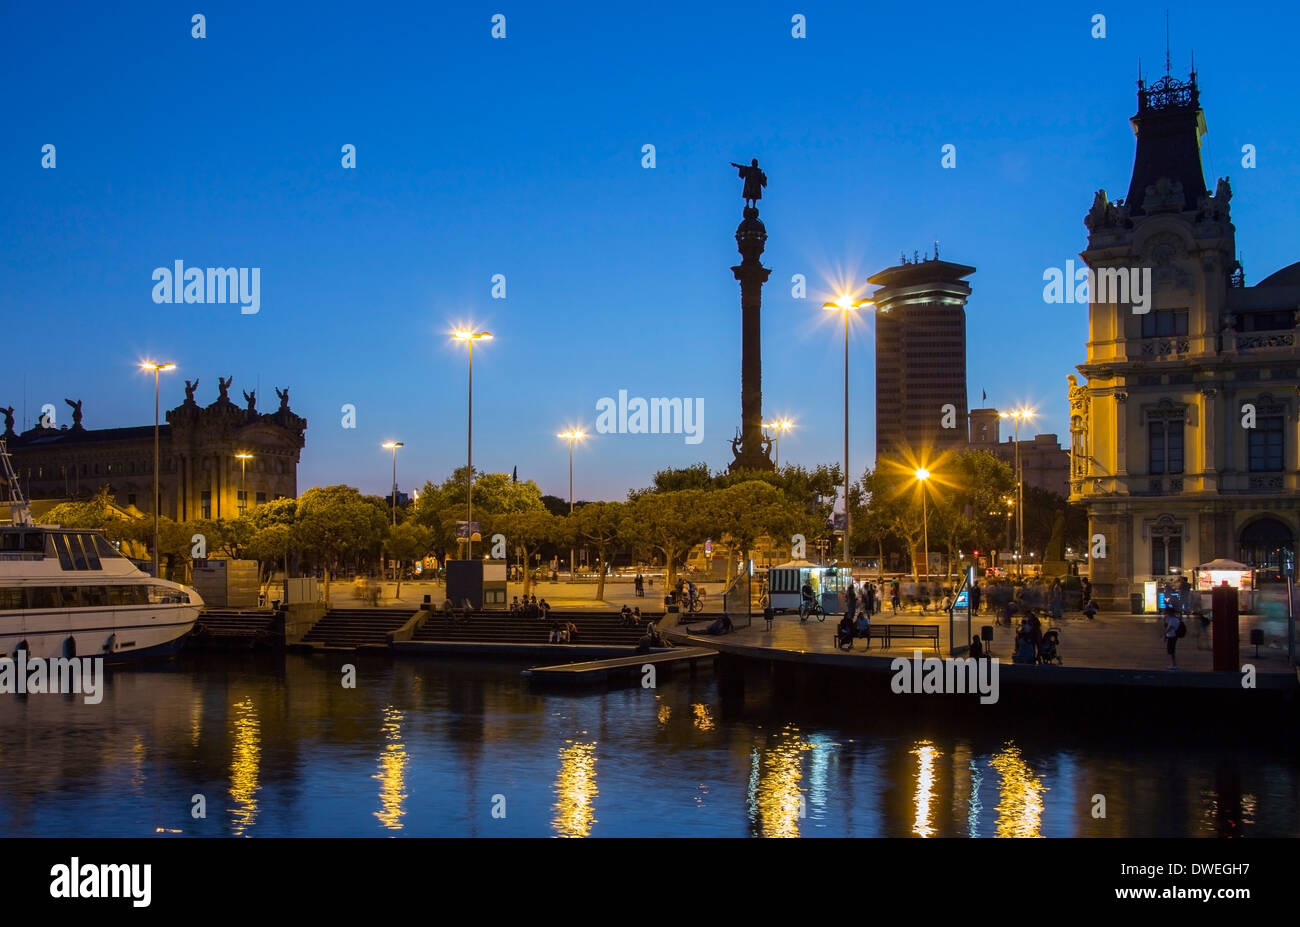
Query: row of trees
[[334, 528]]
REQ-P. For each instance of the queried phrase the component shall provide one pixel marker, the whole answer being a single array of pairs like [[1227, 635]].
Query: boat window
[[139, 595], [78, 555], [34, 543], [119, 595], [43, 597], [10, 541], [162, 595], [105, 547], [71, 596], [60, 543], [94, 595], [11, 599], [92, 556]]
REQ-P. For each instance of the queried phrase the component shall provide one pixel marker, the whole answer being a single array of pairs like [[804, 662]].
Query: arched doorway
[[1268, 544]]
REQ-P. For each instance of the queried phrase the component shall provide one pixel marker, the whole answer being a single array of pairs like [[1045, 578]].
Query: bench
[[887, 632]]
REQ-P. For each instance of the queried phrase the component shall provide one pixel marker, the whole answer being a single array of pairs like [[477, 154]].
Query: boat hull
[[119, 635]]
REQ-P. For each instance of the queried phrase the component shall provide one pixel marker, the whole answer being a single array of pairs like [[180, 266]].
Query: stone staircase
[[349, 628]]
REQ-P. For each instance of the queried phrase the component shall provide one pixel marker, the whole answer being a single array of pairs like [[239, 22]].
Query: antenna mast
[[19, 513]]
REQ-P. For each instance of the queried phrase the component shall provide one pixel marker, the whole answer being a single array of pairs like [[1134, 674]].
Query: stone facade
[[200, 476], [1183, 437]]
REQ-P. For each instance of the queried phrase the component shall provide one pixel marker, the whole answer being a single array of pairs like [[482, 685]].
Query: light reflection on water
[[392, 772], [423, 748], [575, 790], [245, 754]]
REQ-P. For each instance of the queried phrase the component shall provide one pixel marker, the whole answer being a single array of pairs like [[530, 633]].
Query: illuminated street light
[[393, 446], [922, 475], [573, 434], [469, 337], [243, 457], [846, 305], [1018, 415], [157, 368], [780, 425]]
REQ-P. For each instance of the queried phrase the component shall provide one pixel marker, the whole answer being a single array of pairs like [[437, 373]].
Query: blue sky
[[522, 156]]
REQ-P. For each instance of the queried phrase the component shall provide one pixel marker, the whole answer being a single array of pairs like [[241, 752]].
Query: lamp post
[[780, 425], [243, 457], [393, 446], [573, 434], [469, 338], [1019, 414], [157, 368], [922, 475], [846, 306]]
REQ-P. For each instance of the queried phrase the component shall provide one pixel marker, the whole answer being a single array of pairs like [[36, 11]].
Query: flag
[[985, 394], [514, 477]]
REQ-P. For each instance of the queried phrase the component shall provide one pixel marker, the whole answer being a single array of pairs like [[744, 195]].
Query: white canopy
[[1224, 565]]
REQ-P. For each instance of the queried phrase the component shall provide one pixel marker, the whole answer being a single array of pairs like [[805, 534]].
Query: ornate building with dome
[[1184, 428], [202, 474]]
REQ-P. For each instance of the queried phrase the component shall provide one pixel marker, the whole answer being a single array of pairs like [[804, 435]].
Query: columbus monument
[[751, 448]]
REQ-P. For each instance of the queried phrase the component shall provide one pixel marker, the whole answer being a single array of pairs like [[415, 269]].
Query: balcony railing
[[1276, 341]]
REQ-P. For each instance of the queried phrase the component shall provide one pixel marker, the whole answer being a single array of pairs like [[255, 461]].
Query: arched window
[[1267, 544], [1166, 545]]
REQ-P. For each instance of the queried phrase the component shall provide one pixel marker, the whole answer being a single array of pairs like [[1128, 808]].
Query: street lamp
[[1019, 414], [573, 434], [469, 338], [243, 457], [780, 425], [393, 446], [845, 305], [157, 368], [923, 474]]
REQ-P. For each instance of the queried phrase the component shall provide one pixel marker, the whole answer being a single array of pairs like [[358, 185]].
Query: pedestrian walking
[[974, 596], [1174, 629], [1057, 598], [1086, 589], [851, 599]]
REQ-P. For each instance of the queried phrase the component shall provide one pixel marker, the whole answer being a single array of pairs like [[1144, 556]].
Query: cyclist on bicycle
[[806, 595]]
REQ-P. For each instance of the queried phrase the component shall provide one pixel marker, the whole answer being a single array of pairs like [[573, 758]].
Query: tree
[[407, 542], [747, 511], [600, 524], [269, 546], [442, 506], [335, 522], [669, 522], [676, 479], [528, 531]]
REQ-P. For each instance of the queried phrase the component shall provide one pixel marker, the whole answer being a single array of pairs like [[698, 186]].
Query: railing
[[1164, 347], [1272, 342]]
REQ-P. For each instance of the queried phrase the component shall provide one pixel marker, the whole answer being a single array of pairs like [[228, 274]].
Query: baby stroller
[[1049, 648]]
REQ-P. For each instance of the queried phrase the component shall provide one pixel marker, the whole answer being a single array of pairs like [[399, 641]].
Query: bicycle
[[692, 604], [809, 609]]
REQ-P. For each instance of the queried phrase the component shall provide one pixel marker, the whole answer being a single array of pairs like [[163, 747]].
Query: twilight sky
[[523, 157]]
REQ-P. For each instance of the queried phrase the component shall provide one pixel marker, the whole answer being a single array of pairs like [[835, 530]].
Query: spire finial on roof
[[1167, 65]]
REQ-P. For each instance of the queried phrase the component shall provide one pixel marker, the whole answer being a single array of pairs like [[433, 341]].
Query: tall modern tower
[[921, 358]]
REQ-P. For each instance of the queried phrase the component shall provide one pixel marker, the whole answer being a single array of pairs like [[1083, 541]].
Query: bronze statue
[[284, 398], [189, 390], [251, 399], [9, 420], [755, 181], [76, 412]]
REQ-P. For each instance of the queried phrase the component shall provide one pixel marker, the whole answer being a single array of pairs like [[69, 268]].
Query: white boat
[[68, 592]]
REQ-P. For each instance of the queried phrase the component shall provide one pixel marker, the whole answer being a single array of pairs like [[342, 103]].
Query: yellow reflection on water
[[1020, 795], [777, 803], [665, 712], [927, 753], [703, 720], [392, 772], [246, 738], [575, 788]]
